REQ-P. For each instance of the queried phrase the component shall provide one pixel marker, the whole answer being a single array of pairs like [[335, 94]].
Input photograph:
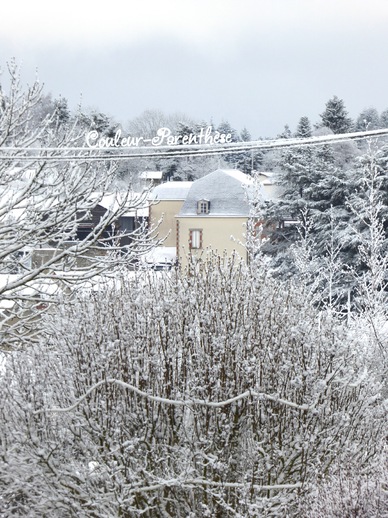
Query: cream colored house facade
[[199, 236], [208, 215]]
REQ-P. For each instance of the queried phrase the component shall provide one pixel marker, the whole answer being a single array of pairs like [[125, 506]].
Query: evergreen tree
[[233, 158], [97, 121], [248, 161], [62, 111], [336, 117], [368, 120], [313, 200], [333, 201], [303, 129], [245, 135], [225, 128], [185, 130], [286, 133], [384, 119]]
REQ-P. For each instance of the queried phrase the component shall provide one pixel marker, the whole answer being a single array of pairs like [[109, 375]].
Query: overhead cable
[[89, 154]]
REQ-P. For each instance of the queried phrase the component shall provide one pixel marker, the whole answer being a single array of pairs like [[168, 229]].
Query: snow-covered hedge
[[220, 392]]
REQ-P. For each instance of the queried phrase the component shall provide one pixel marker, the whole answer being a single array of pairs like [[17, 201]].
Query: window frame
[[195, 238], [203, 206]]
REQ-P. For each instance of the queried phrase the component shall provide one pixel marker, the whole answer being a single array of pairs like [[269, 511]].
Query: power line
[[88, 154]]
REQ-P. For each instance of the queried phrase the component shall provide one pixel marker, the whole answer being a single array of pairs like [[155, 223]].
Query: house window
[[195, 240], [203, 207], [83, 230]]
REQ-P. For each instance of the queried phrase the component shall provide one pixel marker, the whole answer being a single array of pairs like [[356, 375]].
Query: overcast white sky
[[256, 63]]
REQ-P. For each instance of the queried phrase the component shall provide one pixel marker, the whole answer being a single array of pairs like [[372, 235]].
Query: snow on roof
[[266, 174], [161, 254], [225, 189], [112, 202], [171, 191], [237, 175], [142, 212], [151, 175]]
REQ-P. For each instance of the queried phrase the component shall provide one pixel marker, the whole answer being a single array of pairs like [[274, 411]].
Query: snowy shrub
[[219, 392], [349, 494]]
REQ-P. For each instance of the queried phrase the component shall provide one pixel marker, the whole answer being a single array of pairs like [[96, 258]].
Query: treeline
[[332, 202], [334, 118]]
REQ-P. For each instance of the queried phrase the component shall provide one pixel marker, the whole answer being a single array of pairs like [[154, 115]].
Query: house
[[210, 213], [87, 222], [214, 215], [269, 183]]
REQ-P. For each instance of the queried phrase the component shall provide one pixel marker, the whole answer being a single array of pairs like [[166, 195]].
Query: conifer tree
[[368, 120], [314, 196], [384, 119], [286, 133], [336, 117], [247, 161], [303, 129]]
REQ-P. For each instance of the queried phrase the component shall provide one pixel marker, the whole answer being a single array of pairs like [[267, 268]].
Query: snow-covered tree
[[369, 206], [146, 126], [48, 194], [347, 493], [286, 133], [231, 159], [304, 129], [249, 161], [368, 120], [189, 168], [335, 203], [336, 117], [384, 119]]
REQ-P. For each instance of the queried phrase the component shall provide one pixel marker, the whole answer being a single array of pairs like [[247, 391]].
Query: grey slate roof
[[226, 191], [171, 191]]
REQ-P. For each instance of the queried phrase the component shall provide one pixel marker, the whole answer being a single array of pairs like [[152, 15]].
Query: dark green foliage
[[332, 201], [336, 117], [368, 120], [62, 111], [384, 119], [303, 129]]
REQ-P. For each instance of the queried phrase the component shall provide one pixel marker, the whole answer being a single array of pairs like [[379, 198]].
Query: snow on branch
[[178, 402], [191, 483]]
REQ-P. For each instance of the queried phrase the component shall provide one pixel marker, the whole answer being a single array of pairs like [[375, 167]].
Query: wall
[[216, 235], [168, 209]]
